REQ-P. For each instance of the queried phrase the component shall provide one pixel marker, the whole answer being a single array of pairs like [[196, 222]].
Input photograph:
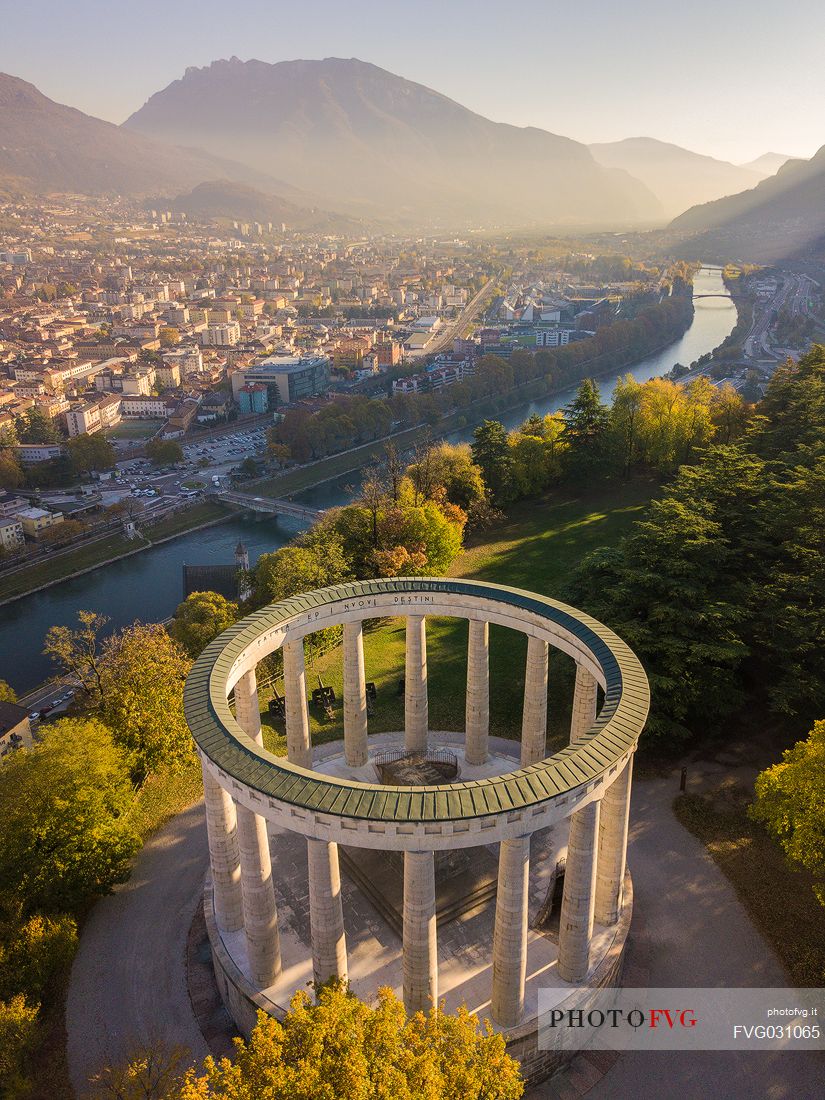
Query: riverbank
[[147, 586], [326, 469], [85, 559], [105, 551]]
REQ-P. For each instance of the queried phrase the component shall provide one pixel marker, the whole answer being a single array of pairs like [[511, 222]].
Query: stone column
[[247, 708], [224, 857], [355, 696], [298, 745], [576, 924], [584, 704], [326, 917], [415, 685], [420, 942], [613, 822], [259, 913], [477, 722], [534, 715], [510, 934]]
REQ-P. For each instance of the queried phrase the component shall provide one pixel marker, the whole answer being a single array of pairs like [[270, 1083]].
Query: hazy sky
[[733, 78]]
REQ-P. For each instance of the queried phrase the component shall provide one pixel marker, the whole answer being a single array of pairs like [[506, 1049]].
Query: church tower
[[242, 557]]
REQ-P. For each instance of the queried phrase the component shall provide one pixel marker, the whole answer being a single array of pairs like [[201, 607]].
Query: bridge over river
[[269, 505]]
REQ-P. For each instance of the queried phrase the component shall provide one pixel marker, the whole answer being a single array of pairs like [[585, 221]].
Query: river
[[148, 585]]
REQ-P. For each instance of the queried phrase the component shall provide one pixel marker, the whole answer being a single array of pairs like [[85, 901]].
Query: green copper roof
[[218, 735]]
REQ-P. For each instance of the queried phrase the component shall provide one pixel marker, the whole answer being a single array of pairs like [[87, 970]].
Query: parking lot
[[204, 460]]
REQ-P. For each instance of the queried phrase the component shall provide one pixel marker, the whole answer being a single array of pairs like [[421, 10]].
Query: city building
[[11, 504], [11, 534], [214, 406], [253, 398], [167, 375], [145, 408], [31, 453], [189, 360], [287, 378], [16, 259], [37, 520], [181, 417], [552, 338], [222, 334], [94, 416]]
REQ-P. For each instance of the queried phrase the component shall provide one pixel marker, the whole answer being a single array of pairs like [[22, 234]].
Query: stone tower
[[242, 557]]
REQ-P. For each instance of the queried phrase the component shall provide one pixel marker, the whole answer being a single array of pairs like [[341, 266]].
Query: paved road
[[459, 325], [689, 929], [128, 983]]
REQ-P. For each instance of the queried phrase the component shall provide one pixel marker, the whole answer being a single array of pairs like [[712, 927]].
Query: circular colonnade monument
[[440, 879]]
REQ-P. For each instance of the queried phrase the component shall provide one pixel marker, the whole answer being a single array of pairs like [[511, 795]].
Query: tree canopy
[[721, 588], [141, 697], [91, 452], [133, 680], [790, 803], [164, 452], [201, 617], [67, 837], [342, 1049]]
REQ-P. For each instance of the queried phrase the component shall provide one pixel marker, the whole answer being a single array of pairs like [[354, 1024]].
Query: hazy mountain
[[782, 216], [676, 176], [359, 135], [46, 146], [227, 199], [768, 164]]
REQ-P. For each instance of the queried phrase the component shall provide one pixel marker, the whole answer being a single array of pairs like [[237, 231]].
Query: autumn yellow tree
[[790, 803], [339, 1048], [201, 617], [142, 678], [133, 680], [18, 1036]]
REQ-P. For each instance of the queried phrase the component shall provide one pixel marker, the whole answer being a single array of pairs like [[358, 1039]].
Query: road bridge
[[726, 296], [269, 506]]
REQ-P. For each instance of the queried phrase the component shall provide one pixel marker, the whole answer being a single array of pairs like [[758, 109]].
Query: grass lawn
[[178, 522], [166, 794], [126, 430], [778, 898], [535, 547]]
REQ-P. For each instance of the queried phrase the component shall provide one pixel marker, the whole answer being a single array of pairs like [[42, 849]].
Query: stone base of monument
[[465, 881], [371, 902]]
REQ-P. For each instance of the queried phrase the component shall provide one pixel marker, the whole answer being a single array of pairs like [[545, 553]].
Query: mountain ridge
[[780, 217], [679, 177], [768, 164], [375, 142], [47, 146]]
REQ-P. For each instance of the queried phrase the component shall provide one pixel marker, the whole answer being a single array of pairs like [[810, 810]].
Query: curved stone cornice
[[565, 778]]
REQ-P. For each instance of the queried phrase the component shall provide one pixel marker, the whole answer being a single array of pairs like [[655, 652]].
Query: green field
[[180, 522], [535, 548], [144, 429]]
